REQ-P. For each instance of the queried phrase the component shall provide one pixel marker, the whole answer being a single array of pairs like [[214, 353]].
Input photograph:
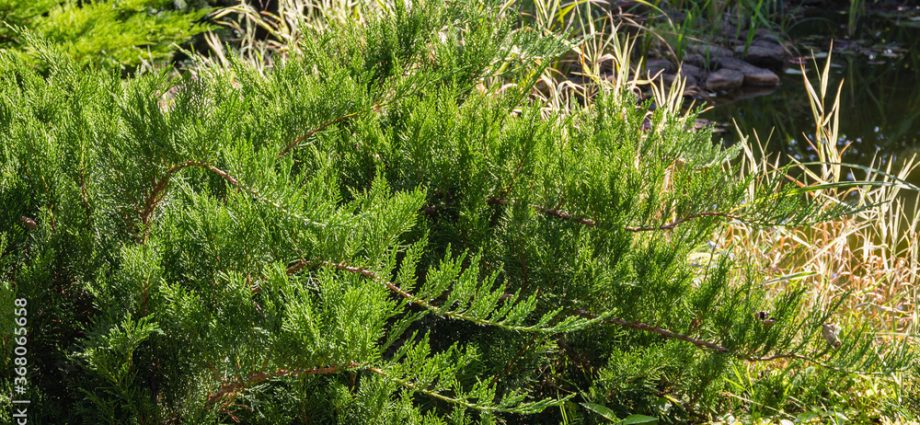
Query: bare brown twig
[[708, 345], [300, 139], [300, 264], [679, 221], [159, 188], [228, 388], [156, 194]]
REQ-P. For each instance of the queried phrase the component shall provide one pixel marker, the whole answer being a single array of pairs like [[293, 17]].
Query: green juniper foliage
[[118, 33], [369, 234]]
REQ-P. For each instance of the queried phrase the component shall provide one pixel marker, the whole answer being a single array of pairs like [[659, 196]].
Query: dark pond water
[[880, 105]]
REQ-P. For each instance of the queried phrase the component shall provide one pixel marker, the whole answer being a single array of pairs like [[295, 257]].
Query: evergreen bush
[[111, 33], [386, 228]]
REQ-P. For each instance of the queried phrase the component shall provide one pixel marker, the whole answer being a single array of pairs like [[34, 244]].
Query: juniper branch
[[306, 136], [717, 348], [707, 345], [564, 326], [159, 189], [565, 215], [592, 318], [679, 221], [231, 388], [228, 388], [523, 408]]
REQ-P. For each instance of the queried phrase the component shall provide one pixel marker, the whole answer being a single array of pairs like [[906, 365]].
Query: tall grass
[[260, 37], [856, 9], [871, 255], [869, 261]]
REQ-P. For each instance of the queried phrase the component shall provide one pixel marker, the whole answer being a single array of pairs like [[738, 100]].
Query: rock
[[28, 222], [690, 73], [669, 79], [700, 124], [766, 35], [711, 51], [689, 69], [730, 63], [760, 77], [724, 80], [764, 53], [753, 76], [654, 66], [695, 59]]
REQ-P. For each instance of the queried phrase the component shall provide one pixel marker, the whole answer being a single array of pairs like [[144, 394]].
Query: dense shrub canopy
[[385, 228], [112, 33]]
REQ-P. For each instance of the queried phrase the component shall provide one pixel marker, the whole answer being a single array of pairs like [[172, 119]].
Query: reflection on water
[[880, 106]]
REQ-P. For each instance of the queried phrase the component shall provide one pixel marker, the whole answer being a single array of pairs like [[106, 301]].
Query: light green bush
[[361, 235], [119, 33]]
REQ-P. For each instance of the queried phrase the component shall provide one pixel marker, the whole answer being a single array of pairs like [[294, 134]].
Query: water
[[880, 103]]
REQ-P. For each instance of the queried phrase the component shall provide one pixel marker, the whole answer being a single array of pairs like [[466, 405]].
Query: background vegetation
[[111, 33], [368, 212]]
